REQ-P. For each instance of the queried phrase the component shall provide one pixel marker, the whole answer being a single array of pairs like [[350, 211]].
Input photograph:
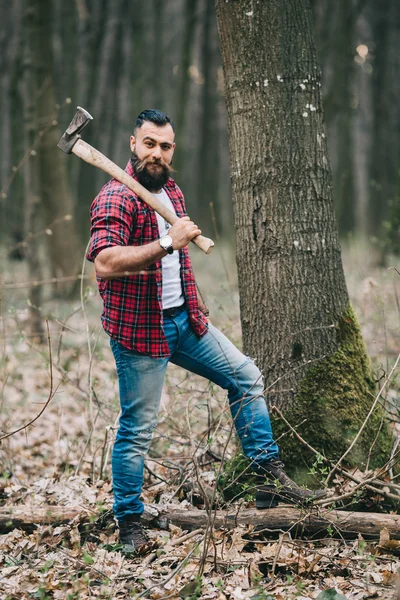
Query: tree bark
[[123, 120], [385, 155], [31, 180], [12, 142], [362, 131], [296, 318], [183, 87], [298, 521], [26, 517], [63, 242], [344, 116], [105, 101], [157, 46], [91, 24], [207, 179]]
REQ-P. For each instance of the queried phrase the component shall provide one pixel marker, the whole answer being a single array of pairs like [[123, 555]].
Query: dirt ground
[[63, 458]]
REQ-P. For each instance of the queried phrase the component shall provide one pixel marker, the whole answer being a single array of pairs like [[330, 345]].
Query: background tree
[[384, 207], [296, 317], [116, 58], [55, 195], [31, 173]]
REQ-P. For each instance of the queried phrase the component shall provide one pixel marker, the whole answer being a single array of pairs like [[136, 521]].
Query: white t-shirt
[[172, 293]]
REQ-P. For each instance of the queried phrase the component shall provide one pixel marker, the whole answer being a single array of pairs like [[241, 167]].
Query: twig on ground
[[277, 553], [154, 474], [149, 559], [185, 538], [51, 395]]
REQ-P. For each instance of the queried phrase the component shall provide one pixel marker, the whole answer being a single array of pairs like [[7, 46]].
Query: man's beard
[[153, 179]]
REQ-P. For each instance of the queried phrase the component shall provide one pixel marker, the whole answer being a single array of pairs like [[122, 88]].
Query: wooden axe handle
[[97, 159]]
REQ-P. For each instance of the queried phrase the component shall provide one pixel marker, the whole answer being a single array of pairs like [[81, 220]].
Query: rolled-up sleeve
[[112, 218]]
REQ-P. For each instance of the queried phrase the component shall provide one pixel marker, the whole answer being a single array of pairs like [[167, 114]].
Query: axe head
[[71, 135]]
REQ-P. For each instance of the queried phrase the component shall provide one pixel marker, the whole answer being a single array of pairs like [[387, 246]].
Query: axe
[[71, 141]]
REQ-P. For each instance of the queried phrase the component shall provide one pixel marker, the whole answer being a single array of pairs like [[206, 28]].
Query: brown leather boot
[[278, 487], [131, 533]]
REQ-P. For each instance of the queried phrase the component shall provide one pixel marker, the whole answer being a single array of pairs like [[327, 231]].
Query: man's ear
[[132, 141]]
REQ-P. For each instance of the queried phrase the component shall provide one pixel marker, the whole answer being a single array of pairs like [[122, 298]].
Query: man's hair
[[153, 115]]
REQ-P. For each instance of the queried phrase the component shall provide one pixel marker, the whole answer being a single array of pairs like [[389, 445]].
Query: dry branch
[[50, 396], [299, 522]]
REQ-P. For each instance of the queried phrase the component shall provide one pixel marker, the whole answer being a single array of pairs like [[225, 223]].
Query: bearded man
[[153, 316]]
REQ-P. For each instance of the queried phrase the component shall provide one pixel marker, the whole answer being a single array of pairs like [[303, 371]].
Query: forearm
[[119, 261]]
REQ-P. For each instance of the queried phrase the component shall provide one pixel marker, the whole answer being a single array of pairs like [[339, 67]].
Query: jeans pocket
[[119, 349]]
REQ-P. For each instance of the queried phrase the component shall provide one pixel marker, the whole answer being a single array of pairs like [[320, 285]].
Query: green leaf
[[331, 594], [87, 559]]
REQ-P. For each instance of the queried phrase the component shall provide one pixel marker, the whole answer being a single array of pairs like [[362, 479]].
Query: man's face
[[152, 150]]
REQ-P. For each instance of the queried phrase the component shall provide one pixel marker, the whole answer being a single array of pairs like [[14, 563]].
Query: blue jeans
[[140, 383]]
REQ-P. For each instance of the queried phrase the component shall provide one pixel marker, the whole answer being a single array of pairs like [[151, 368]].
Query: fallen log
[[300, 522], [28, 516]]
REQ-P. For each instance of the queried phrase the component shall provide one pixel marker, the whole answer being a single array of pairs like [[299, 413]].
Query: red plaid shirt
[[132, 312]]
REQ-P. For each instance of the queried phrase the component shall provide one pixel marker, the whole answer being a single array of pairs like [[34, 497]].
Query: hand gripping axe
[[71, 141]]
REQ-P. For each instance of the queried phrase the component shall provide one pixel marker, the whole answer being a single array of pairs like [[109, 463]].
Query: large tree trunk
[[296, 318]]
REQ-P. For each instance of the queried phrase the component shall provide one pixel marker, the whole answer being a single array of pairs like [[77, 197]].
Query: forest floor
[[63, 459]]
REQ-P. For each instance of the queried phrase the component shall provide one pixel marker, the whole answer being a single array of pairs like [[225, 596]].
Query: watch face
[[166, 242]]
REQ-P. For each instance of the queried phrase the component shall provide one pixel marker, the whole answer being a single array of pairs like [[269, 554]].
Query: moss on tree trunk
[[334, 399]]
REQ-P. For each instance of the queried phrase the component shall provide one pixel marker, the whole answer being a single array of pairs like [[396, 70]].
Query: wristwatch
[[166, 244]]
